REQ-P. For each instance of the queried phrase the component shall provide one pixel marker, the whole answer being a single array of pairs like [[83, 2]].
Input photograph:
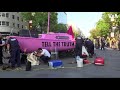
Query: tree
[[94, 33], [61, 28], [41, 19], [103, 27]]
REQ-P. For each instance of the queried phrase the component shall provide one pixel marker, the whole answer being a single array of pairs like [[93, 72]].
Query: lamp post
[[113, 18]]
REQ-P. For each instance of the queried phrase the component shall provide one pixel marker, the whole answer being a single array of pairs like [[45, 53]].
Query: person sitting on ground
[[33, 59], [44, 55]]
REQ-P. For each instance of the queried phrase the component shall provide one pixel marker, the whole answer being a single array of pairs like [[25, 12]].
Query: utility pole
[[48, 29]]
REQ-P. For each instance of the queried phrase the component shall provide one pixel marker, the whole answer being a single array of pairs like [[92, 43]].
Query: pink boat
[[51, 42]]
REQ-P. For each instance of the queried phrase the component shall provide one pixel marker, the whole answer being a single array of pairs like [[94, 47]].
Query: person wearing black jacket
[[1, 51], [14, 49], [90, 47], [78, 46], [102, 43]]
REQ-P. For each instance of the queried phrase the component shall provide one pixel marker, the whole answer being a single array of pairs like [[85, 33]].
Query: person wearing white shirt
[[44, 55]]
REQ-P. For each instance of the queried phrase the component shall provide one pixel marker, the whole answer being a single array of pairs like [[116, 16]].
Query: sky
[[84, 20]]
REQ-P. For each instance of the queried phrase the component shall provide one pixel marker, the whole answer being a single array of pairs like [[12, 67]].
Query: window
[[13, 16], [0, 14], [22, 26], [18, 25], [0, 22], [7, 15], [18, 18], [22, 20], [3, 22], [13, 24], [62, 37], [7, 23], [3, 14]]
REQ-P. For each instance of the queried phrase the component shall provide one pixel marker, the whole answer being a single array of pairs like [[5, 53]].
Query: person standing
[[90, 47], [98, 43], [102, 43], [14, 49], [78, 46], [1, 51]]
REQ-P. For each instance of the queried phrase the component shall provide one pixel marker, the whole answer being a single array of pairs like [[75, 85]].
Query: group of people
[[87, 43], [110, 42], [43, 55], [13, 49], [100, 43]]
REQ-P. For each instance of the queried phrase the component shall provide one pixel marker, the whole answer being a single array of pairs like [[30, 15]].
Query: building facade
[[11, 22]]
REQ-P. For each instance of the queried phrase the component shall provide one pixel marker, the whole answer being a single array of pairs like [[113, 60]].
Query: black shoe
[[28, 66], [5, 66]]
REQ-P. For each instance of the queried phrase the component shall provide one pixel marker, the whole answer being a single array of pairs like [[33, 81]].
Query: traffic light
[[30, 24], [114, 24]]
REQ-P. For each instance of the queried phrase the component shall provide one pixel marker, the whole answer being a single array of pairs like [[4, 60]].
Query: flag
[[70, 31]]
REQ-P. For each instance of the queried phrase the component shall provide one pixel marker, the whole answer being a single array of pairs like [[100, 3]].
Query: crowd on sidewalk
[[109, 42]]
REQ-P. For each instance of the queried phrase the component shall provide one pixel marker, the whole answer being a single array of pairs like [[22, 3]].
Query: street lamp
[[113, 18]]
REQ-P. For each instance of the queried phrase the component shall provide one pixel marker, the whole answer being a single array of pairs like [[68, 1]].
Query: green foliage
[[103, 27], [94, 33], [61, 28], [27, 16], [41, 19]]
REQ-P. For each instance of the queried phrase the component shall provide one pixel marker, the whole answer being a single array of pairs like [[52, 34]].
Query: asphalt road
[[111, 69]]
